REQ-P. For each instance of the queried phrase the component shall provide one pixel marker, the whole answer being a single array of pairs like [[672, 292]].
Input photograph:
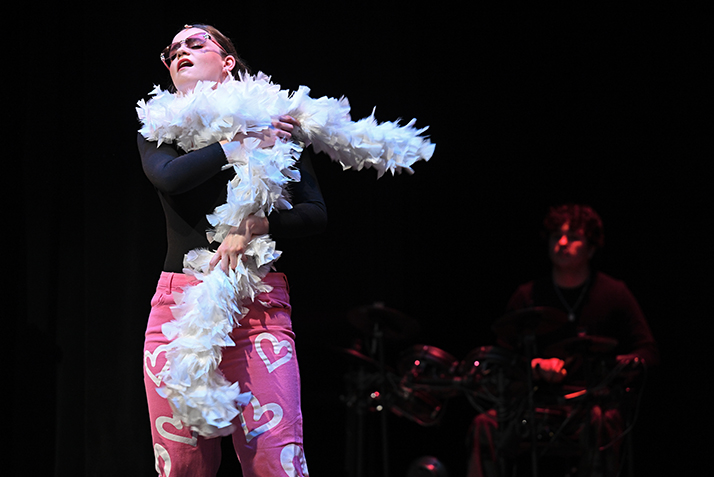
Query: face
[[198, 63], [569, 248]]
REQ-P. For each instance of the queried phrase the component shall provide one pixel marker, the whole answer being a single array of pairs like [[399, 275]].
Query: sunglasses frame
[[206, 37]]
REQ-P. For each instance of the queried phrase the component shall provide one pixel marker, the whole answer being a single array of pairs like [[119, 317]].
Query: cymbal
[[538, 320], [355, 355], [582, 344], [393, 324]]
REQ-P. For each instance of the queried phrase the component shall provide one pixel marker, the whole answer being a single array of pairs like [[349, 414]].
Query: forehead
[[183, 34]]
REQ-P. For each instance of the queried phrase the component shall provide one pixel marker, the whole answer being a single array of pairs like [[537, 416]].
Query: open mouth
[[183, 64]]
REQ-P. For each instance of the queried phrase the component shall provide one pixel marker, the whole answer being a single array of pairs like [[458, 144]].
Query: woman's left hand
[[284, 127], [234, 245]]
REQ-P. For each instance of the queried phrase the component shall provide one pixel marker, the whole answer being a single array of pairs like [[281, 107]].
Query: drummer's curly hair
[[580, 217]]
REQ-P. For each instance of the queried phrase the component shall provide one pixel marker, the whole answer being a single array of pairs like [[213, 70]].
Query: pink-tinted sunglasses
[[194, 42]]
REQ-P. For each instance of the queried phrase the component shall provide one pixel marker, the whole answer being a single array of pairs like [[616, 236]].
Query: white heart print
[[277, 346], [258, 411], [152, 359], [160, 453], [176, 422], [287, 456]]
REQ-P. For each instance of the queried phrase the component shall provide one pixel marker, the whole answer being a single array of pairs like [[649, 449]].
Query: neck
[[570, 278]]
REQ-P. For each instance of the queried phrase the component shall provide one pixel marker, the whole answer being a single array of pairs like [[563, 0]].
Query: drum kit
[[425, 378]]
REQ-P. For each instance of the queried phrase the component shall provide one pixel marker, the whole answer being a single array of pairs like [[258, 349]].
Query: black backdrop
[[527, 107]]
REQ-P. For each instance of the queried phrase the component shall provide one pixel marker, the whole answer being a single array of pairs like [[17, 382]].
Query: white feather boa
[[207, 312]]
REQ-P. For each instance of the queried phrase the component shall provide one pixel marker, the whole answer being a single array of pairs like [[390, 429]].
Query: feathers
[[207, 312], [215, 112]]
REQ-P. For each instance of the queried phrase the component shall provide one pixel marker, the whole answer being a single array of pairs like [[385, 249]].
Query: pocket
[[277, 298], [159, 298]]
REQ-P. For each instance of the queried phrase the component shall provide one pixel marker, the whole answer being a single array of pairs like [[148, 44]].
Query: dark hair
[[580, 217], [226, 44]]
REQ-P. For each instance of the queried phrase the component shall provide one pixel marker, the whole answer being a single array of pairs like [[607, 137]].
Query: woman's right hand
[[236, 242]]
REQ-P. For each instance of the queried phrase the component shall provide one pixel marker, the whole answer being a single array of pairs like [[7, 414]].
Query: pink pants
[[268, 438]]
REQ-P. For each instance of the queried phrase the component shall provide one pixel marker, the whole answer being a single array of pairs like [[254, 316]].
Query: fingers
[[285, 126], [227, 260], [287, 119], [232, 250]]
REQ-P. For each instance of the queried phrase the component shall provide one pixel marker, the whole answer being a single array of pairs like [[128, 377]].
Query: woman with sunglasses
[[267, 433]]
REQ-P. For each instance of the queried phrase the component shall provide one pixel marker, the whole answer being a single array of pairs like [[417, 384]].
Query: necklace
[[571, 310]]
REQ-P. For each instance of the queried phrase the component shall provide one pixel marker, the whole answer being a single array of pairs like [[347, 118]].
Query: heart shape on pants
[[287, 460], [277, 346], [152, 359], [258, 411], [160, 452], [176, 422]]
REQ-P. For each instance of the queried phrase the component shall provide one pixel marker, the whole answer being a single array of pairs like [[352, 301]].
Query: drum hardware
[[426, 377], [427, 381], [582, 344], [521, 327], [380, 324]]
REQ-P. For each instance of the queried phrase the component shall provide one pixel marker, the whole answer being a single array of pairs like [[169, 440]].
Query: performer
[[268, 439], [226, 152], [597, 311]]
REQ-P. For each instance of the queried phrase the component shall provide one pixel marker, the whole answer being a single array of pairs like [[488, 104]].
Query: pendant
[[571, 316]]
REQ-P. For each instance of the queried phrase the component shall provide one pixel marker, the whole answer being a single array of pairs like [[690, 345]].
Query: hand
[[281, 128], [551, 370], [284, 127], [630, 361], [234, 245]]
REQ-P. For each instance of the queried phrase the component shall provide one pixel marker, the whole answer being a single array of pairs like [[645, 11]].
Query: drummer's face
[[569, 248]]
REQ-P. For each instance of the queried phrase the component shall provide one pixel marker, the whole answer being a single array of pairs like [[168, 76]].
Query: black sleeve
[[174, 173], [639, 338], [309, 213]]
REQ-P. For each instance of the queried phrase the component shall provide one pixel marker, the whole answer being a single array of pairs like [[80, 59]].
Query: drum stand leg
[[500, 427], [354, 430], [529, 341], [379, 344], [354, 456]]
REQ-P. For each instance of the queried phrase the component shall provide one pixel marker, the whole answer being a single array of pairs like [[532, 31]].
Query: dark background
[[528, 108]]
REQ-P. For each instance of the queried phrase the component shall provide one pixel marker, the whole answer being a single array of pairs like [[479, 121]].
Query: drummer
[[594, 303], [594, 310]]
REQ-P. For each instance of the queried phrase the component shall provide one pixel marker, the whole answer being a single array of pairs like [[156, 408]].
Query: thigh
[[269, 439], [177, 450]]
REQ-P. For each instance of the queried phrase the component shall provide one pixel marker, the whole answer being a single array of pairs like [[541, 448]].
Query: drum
[[427, 381], [428, 368], [492, 373]]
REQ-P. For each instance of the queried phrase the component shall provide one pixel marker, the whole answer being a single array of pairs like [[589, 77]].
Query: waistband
[[172, 281]]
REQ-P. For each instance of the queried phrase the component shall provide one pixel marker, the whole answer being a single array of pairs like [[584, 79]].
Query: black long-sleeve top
[[191, 185]]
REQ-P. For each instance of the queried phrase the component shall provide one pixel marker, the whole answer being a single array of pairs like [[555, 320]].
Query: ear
[[229, 62]]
